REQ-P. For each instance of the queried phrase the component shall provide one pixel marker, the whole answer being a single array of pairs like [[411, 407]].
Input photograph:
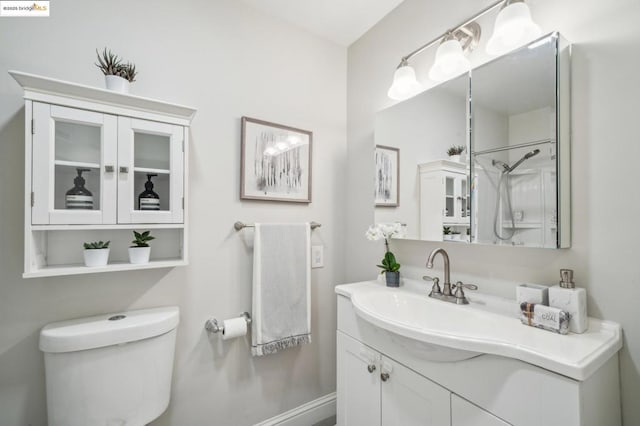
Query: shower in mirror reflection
[[516, 196]]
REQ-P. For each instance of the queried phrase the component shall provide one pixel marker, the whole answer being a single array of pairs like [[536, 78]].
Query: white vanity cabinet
[[444, 198], [376, 390], [432, 384], [117, 142]]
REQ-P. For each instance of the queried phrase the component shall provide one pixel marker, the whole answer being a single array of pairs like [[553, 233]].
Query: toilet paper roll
[[233, 328]]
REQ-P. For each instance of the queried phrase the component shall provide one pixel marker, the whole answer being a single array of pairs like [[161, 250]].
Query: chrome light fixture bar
[[513, 28]]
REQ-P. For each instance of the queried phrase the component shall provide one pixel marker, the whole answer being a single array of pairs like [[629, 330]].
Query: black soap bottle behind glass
[[79, 197], [149, 200]]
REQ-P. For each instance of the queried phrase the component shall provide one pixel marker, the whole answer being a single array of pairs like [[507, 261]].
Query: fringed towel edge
[[278, 345]]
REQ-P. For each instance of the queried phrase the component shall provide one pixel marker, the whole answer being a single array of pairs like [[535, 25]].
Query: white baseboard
[[305, 414]]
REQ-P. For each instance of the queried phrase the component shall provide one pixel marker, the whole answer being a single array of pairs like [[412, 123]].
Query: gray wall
[[604, 253], [226, 60]]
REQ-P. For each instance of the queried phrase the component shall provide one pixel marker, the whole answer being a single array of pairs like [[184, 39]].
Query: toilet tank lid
[[108, 329]]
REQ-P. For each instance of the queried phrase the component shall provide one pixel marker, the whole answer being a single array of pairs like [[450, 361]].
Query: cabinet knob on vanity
[[108, 169], [384, 376], [371, 368], [124, 169]]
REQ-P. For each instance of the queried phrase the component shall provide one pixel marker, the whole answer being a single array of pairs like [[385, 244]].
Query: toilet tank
[[112, 369]]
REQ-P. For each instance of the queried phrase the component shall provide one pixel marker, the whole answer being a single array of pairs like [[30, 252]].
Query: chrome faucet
[[446, 286], [459, 297]]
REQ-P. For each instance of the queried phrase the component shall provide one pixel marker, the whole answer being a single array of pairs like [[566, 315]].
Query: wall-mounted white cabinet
[[444, 198], [110, 145]]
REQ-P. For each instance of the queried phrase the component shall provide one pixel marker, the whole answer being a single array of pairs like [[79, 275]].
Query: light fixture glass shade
[[404, 84], [450, 61], [514, 28]]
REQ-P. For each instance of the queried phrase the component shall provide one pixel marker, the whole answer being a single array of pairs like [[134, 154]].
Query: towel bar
[[240, 225], [213, 326]]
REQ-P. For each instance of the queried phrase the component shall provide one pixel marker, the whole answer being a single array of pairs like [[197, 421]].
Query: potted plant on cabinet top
[[455, 153], [446, 233], [96, 253], [390, 267], [118, 76], [140, 252]]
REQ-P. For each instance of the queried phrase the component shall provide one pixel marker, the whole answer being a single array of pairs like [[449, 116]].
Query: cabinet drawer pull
[[371, 368], [108, 169], [384, 376], [124, 169]]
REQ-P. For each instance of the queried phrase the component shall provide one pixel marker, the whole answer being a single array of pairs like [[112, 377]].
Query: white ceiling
[[341, 21]]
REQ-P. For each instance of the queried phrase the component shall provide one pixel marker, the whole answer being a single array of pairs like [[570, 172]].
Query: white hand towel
[[281, 287]]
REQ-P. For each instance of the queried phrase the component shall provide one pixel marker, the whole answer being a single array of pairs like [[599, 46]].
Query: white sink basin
[[443, 331]]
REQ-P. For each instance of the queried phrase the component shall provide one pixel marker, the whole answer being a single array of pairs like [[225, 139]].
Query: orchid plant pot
[[393, 278], [138, 255], [96, 257]]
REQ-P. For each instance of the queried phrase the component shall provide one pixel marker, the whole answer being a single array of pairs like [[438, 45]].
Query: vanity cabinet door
[[358, 383], [409, 399], [463, 413]]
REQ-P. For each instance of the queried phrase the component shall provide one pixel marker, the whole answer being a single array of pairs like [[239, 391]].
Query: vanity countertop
[[487, 325]]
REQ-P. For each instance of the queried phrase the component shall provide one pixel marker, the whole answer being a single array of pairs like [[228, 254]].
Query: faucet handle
[[436, 285], [459, 294]]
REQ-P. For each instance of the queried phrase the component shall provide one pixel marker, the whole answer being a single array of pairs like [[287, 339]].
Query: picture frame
[[276, 162], [387, 179]]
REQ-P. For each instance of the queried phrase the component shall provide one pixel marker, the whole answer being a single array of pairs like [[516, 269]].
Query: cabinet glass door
[[150, 169], [74, 155]]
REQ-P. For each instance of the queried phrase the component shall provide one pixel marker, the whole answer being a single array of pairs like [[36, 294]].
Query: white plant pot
[[139, 254], [117, 83], [96, 257], [455, 158]]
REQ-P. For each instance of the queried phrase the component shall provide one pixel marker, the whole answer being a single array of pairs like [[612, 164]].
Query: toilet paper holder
[[213, 326]]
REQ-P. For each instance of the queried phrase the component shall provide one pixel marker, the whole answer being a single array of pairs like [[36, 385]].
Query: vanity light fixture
[[404, 84], [450, 56], [514, 27]]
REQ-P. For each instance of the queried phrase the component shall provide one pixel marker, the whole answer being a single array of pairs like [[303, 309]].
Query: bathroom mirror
[[433, 193], [520, 147], [511, 184]]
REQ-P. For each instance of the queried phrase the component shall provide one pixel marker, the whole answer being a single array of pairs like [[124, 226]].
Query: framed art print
[[275, 162], [387, 162]]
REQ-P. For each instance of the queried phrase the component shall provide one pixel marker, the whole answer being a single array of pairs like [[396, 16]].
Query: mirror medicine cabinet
[[511, 186], [99, 165]]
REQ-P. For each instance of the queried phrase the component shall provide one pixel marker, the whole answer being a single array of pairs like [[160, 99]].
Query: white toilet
[[109, 370]]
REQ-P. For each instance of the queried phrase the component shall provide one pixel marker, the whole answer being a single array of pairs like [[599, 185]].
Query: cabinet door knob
[[384, 376], [371, 368], [124, 169], [108, 169]]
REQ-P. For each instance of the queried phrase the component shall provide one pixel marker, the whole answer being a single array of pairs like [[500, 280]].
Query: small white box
[[532, 293]]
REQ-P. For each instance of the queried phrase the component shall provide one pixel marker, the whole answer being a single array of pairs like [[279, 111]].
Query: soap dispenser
[[571, 299], [79, 197], [148, 199]]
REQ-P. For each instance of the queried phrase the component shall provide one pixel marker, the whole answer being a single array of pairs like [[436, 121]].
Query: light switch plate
[[317, 256]]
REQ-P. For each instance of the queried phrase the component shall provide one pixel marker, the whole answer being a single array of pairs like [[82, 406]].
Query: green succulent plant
[[108, 62], [96, 245], [455, 150], [142, 239], [446, 230]]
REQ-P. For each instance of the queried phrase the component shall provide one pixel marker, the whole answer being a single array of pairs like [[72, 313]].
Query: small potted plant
[[118, 75], [446, 233], [96, 253], [140, 252], [390, 267], [455, 153]]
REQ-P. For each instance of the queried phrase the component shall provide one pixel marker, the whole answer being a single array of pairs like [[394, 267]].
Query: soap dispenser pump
[[79, 197], [571, 299], [148, 199]]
